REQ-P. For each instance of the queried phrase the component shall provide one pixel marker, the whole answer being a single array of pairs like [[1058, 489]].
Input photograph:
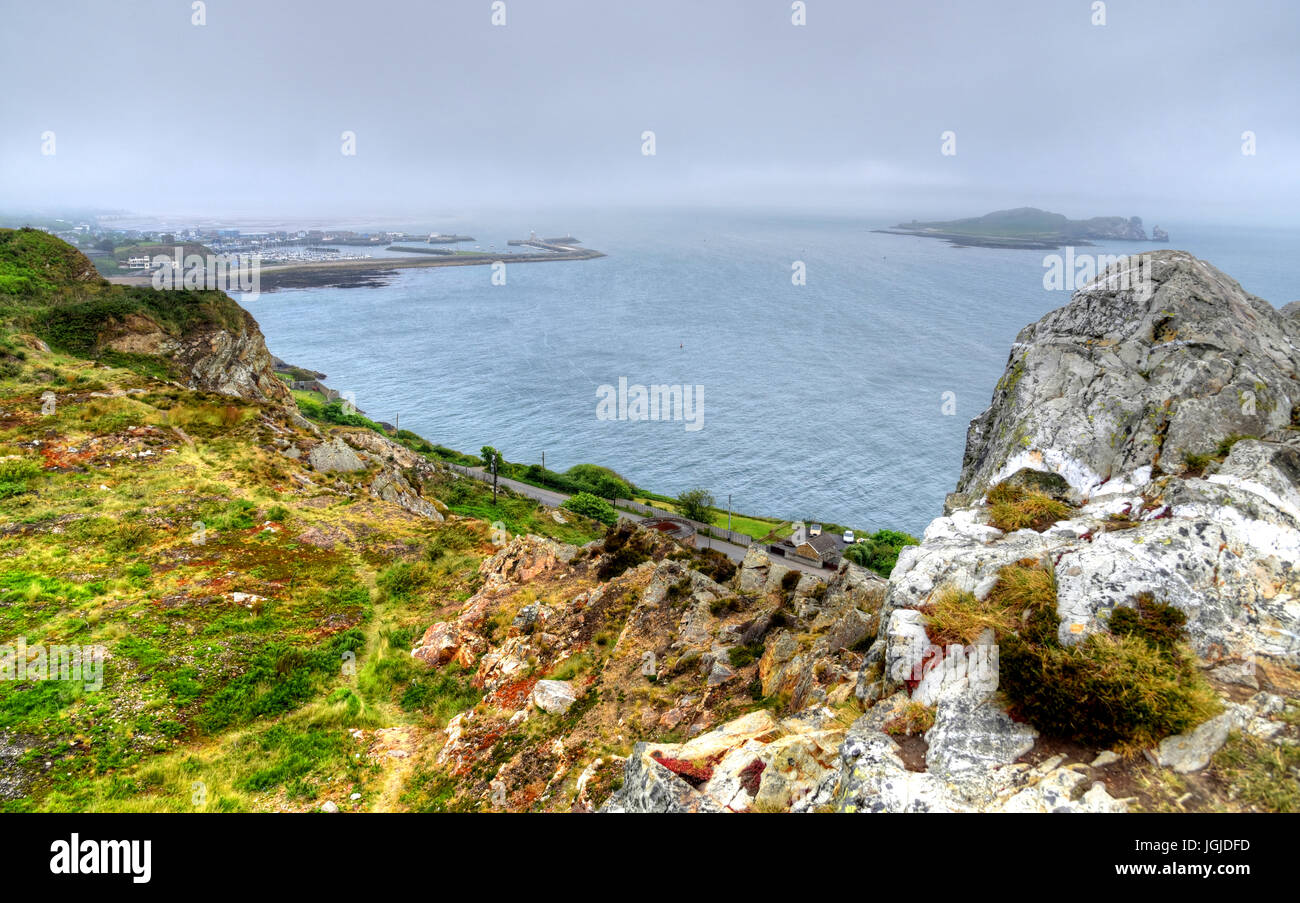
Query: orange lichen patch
[[63, 458], [529, 794], [513, 696]]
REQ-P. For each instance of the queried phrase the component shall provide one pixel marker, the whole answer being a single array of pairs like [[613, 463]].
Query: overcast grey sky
[[244, 115]]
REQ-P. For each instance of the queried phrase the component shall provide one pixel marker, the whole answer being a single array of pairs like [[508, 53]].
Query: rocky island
[[1028, 228]]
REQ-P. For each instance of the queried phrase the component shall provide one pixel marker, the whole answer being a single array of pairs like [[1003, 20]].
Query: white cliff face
[[1222, 549]]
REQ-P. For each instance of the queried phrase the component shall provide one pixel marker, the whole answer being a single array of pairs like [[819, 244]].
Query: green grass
[[756, 527], [1262, 774]]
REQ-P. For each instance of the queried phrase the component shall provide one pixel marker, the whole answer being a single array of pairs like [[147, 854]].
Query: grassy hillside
[[251, 620], [50, 291]]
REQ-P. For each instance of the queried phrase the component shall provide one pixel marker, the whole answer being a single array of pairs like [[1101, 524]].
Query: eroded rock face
[[401, 472], [524, 558], [754, 762], [1120, 378], [460, 639], [215, 359], [456, 640], [233, 363]]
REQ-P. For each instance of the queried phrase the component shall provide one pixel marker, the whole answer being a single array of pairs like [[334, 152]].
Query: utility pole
[[397, 423], [495, 457], [543, 460], [728, 512]]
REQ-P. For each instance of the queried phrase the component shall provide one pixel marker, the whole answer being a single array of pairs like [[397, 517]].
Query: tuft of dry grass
[[911, 720], [956, 616], [1014, 508], [1022, 601]]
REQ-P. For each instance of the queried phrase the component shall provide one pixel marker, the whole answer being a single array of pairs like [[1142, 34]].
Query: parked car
[[848, 537], [815, 530]]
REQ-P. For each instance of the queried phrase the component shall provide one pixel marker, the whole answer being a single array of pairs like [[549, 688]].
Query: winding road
[[554, 499]]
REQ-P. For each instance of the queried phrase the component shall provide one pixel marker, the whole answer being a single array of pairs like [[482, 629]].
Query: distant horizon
[[352, 219]]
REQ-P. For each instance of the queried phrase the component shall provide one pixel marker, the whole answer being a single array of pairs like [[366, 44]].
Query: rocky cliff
[[1110, 597], [1125, 378], [202, 338], [229, 359]]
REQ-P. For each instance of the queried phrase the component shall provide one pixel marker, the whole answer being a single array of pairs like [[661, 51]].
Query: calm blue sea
[[823, 401]]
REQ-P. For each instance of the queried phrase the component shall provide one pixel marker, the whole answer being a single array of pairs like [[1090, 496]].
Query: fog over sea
[[822, 401]]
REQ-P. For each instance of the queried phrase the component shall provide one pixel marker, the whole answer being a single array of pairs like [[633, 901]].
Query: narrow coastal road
[[554, 499]]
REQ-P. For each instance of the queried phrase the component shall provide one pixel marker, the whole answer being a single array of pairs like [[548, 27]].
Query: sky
[[246, 113]]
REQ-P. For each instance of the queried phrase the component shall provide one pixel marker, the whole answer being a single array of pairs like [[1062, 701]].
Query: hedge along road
[[555, 499]]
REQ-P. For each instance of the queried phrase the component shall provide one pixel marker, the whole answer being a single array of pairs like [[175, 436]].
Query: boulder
[[335, 456], [972, 736], [553, 696], [1192, 751], [753, 762], [390, 486]]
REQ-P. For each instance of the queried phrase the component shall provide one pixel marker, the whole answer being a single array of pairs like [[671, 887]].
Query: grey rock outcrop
[[1100, 403], [400, 474], [650, 787], [391, 486], [335, 456], [971, 734], [1109, 393], [1122, 378], [215, 358], [1192, 751], [872, 777]]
